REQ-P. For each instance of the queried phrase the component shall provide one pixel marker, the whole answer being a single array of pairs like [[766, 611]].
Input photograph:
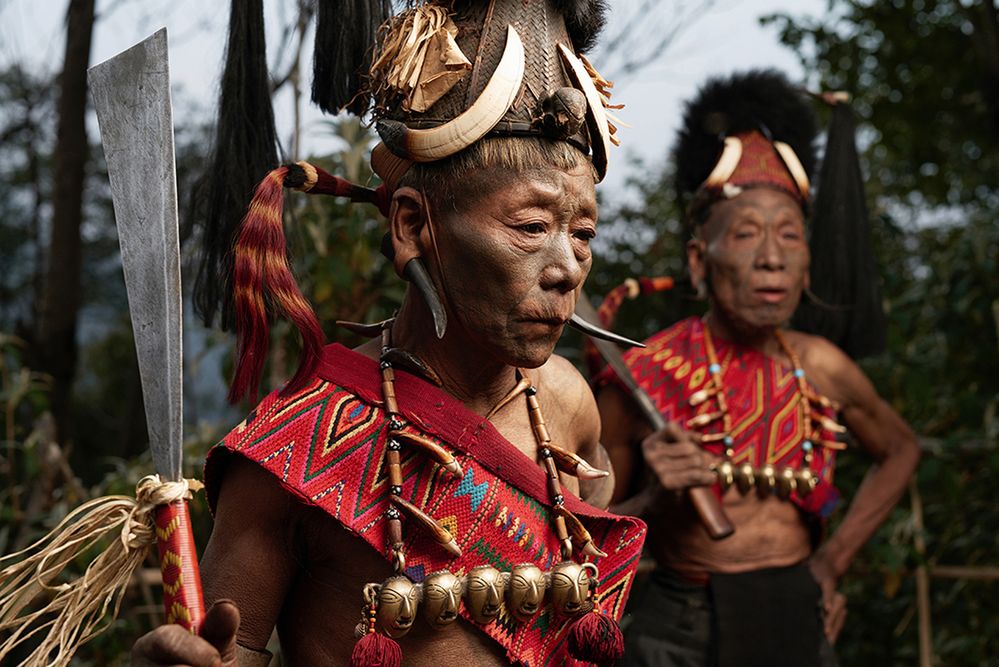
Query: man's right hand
[[173, 645], [676, 458]]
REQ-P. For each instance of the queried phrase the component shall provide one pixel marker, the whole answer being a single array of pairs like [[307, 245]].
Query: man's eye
[[585, 235], [533, 228]]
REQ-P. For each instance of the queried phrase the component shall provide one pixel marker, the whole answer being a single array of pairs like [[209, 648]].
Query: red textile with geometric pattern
[[326, 445], [761, 394]]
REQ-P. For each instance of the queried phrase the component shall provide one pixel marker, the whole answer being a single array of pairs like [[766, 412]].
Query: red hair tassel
[[262, 277]]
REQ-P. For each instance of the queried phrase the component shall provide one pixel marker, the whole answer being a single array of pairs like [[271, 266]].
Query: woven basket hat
[[447, 74]]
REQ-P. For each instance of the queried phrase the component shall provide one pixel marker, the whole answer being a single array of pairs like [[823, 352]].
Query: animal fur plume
[[729, 105], [584, 19]]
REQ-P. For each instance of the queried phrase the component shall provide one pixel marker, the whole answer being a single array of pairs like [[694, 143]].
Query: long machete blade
[[132, 96]]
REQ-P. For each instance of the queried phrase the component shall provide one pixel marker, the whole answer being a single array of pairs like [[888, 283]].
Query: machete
[[708, 508], [131, 94]]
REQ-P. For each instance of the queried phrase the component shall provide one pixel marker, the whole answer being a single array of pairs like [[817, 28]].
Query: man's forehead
[[769, 202]]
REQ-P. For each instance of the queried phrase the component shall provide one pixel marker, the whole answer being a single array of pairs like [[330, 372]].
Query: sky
[[722, 38]]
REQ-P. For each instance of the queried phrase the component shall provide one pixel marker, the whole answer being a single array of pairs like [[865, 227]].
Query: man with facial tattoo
[[437, 491], [756, 410]]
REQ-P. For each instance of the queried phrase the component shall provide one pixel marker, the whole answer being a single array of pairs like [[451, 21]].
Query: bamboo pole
[[926, 658]]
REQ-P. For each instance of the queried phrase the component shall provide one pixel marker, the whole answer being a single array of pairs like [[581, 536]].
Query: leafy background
[[925, 81]]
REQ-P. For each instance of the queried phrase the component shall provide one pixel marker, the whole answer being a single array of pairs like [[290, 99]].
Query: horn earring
[[579, 324], [416, 273]]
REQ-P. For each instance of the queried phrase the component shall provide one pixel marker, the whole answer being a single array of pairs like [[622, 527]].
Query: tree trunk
[[55, 344]]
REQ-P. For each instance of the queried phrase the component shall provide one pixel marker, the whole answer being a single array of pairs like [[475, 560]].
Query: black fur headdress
[[761, 100]]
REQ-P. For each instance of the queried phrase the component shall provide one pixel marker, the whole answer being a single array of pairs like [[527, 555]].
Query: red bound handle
[[182, 596]]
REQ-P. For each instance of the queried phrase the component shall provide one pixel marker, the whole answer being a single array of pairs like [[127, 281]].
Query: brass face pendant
[[398, 600], [525, 591], [570, 587], [484, 593], [785, 483], [441, 597], [745, 478]]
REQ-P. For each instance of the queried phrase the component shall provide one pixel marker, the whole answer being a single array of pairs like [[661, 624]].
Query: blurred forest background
[[924, 75]]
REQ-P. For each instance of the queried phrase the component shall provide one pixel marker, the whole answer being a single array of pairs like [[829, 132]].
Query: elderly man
[[752, 409], [431, 479]]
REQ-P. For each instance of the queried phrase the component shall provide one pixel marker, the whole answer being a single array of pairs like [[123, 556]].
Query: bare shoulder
[[568, 403], [830, 369]]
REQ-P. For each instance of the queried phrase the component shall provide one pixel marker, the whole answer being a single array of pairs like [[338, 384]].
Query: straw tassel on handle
[[183, 600]]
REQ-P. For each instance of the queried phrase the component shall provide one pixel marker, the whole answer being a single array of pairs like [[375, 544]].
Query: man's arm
[[893, 446], [886, 438], [247, 569], [673, 456]]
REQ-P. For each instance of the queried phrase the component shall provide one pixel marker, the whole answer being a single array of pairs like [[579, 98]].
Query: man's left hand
[[833, 602]]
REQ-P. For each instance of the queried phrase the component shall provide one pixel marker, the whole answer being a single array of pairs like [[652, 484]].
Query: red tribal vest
[[762, 399], [327, 442]]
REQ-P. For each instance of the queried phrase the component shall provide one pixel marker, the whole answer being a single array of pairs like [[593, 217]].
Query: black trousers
[[770, 617]]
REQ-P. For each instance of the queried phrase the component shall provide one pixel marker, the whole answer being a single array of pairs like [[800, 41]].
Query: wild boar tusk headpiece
[[596, 117], [427, 145]]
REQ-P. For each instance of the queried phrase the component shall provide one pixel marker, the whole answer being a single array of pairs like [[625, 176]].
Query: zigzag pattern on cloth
[[326, 444], [762, 397]]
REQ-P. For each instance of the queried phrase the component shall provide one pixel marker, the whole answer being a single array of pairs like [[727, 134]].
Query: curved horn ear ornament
[[725, 167], [596, 117], [469, 126], [579, 324], [793, 165], [416, 273]]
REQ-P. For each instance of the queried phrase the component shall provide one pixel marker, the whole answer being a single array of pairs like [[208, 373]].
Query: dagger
[[708, 508], [131, 93]]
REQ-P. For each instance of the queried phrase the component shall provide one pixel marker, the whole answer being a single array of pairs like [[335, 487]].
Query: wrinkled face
[[441, 595], [484, 593], [570, 584], [513, 260], [753, 254], [526, 591], [397, 603]]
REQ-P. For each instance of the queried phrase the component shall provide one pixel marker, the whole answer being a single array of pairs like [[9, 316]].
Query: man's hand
[[173, 645], [833, 602], [676, 458]]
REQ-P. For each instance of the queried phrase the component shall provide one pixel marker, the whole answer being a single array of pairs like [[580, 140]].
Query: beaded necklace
[[392, 605], [767, 478]]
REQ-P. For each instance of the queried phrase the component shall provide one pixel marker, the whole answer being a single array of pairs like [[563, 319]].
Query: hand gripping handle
[[182, 597]]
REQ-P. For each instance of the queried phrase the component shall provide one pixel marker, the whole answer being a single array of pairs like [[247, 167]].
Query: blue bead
[[799, 372], [714, 368], [728, 440], [807, 445]]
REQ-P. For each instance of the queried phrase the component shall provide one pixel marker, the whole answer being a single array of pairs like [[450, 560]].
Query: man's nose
[[563, 271], [770, 255]]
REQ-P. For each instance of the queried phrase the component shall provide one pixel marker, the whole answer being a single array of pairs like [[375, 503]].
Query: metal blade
[[612, 355], [131, 93]]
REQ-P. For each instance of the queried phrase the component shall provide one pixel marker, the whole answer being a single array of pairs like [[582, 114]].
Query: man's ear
[[695, 261], [407, 222]]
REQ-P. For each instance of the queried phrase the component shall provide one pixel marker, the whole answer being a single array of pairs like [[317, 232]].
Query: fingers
[[676, 459], [835, 616], [220, 626], [173, 645]]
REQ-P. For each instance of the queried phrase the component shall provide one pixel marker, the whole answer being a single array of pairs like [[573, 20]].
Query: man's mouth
[[771, 294]]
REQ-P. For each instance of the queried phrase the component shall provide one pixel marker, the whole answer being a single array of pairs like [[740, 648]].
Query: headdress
[[756, 129], [438, 77]]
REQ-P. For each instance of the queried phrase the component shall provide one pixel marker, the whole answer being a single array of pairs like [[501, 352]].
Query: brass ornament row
[[393, 605]]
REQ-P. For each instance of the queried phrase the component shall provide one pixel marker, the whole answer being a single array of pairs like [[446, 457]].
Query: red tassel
[[597, 638], [262, 276], [376, 650]]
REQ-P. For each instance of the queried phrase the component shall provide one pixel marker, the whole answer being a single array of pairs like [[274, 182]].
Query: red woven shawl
[[326, 444], [762, 398]]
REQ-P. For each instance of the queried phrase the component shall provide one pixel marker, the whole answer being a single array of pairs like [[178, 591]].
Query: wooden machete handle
[[711, 513], [182, 596]]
